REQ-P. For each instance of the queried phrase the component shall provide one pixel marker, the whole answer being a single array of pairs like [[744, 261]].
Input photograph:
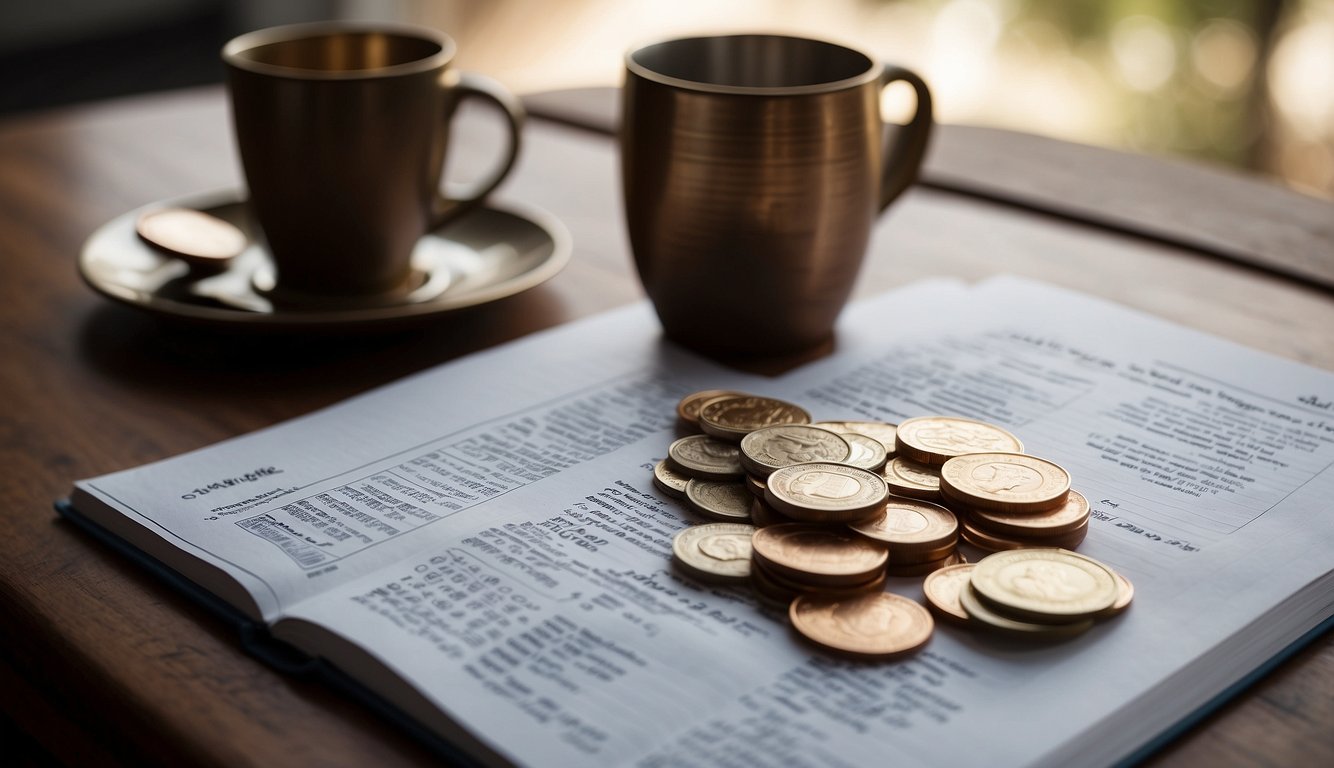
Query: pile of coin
[[816, 515], [1036, 592]]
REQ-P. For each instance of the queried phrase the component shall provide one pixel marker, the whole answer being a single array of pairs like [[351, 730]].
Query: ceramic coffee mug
[[753, 168], [342, 131]]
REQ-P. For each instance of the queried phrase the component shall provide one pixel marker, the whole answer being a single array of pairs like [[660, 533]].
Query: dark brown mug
[[753, 167], [342, 131]]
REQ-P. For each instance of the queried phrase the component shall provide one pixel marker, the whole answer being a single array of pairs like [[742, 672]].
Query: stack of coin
[[1013, 500], [837, 506], [1036, 593], [687, 411], [919, 536], [706, 473], [793, 559]]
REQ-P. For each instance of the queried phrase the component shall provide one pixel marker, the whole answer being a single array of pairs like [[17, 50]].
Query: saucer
[[488, 254]]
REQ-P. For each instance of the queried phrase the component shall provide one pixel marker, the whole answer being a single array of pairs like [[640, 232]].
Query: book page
[[551, 625], [289, 511], [295, 509]]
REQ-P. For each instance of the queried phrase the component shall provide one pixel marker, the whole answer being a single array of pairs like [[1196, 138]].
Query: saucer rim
[[288, 318]]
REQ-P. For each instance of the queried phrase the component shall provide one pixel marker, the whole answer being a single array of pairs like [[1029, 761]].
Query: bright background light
[[1248, 83]]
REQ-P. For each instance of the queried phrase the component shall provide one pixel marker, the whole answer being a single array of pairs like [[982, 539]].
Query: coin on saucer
[[193, 236]]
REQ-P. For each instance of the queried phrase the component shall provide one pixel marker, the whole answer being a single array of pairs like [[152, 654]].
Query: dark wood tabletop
[[101, 664]]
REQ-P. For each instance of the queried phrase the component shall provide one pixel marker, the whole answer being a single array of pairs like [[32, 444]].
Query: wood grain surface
[[102, 665]]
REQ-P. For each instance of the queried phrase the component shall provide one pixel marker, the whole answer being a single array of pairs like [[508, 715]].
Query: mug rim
[[233, 52], [872, 73]]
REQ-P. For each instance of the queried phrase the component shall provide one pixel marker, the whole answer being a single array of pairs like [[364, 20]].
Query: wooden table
[[103, 664]]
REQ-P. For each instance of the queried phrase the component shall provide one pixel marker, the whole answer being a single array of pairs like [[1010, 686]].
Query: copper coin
[[194, 236], [942, 589], [1067, 518], [822, 555], [732, 418], [688, 409], [879, 625], [874, 584], [909, 525], [908, 570], [1125, 594], [991, 542]]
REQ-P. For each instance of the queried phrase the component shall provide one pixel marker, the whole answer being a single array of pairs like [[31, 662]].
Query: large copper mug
[[753, 168]]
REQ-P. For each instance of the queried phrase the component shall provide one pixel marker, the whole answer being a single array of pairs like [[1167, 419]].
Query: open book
[[481, 546]]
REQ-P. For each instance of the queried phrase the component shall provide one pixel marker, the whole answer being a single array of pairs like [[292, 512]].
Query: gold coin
[[669, 481], [756, 485], [770, 448], [194, 236], [933, 439], [688, 409], [942, 589], [1005, 482], [879, 430], [733, 418], [1067, 518], [719, 500], [908, 525], [714, 551], [867, 452], [823, 492], [879, 625], [906, 477], [979, 613], [704, 457], [815, 554], [1045, 585]]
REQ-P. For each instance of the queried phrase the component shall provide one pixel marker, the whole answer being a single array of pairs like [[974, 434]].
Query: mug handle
[[470, 86], [903, 155]]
